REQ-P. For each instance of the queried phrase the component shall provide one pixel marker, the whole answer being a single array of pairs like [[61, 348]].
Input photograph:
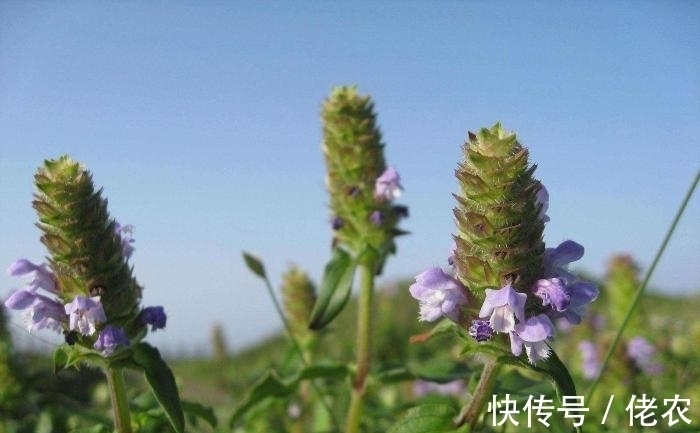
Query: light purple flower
[[388, 186], [42, 312], [85, 314], [439, 295], [552, 292], [543, 202], [534, 334], [154, 316], [503, 306], [125, 233], [109, 339], [423, 387], [642, 353], [480, 330], [580, 293], [590, 365], [40, 276]]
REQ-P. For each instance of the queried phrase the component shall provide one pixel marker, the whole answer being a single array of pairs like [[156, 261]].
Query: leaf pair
[[143, 357]]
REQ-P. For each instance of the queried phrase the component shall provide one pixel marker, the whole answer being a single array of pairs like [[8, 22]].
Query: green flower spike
[[499, 230], [364, 221], [86, 252], [298, 298]]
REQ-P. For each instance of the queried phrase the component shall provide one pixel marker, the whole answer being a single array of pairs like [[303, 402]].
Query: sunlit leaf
[[162, 382], [255, 265], [335, 289]]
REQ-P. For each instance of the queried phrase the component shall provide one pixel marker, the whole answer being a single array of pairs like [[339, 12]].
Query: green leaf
[[60, 359], [433, 418], [255, 265], [335, 289], [268, 386], [200, 411], [554, 368], [162, 382], [271, 386]]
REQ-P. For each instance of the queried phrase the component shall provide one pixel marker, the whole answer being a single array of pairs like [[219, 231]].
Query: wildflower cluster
[[86, 291], [503, 279], [82, 318]]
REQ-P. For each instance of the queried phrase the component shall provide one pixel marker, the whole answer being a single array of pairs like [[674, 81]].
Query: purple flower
[[377, 218], [40, 276], [401, 211], [589, 354], [439, 295], [109, 339], [557, 259], [154, 316], [85, 314], [503, 306], [480, 330], [533, 334], [388, 186], [543, 202], [552, 292], [337, 223], [42, 312], [125, 233], [642, 353], [424, 387], [581, 294]]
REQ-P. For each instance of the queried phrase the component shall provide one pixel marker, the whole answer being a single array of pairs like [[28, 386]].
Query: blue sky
[[201, 122]]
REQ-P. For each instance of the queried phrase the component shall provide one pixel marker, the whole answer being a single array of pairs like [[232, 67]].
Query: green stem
[[117, 394], [470, 414], [643, 285], [364, 328], [297, 347]]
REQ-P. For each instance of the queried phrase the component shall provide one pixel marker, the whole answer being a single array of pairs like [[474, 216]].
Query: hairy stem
[[364, 328], [120, 405], [482, 392]]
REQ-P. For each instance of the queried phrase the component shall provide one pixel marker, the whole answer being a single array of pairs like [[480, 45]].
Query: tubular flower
[[109, 339], [85, 314], [438, 294], [553, 292], [388, 185], [154, 316], [40, 276], [42, 312], [534, 334], [502, 307]]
